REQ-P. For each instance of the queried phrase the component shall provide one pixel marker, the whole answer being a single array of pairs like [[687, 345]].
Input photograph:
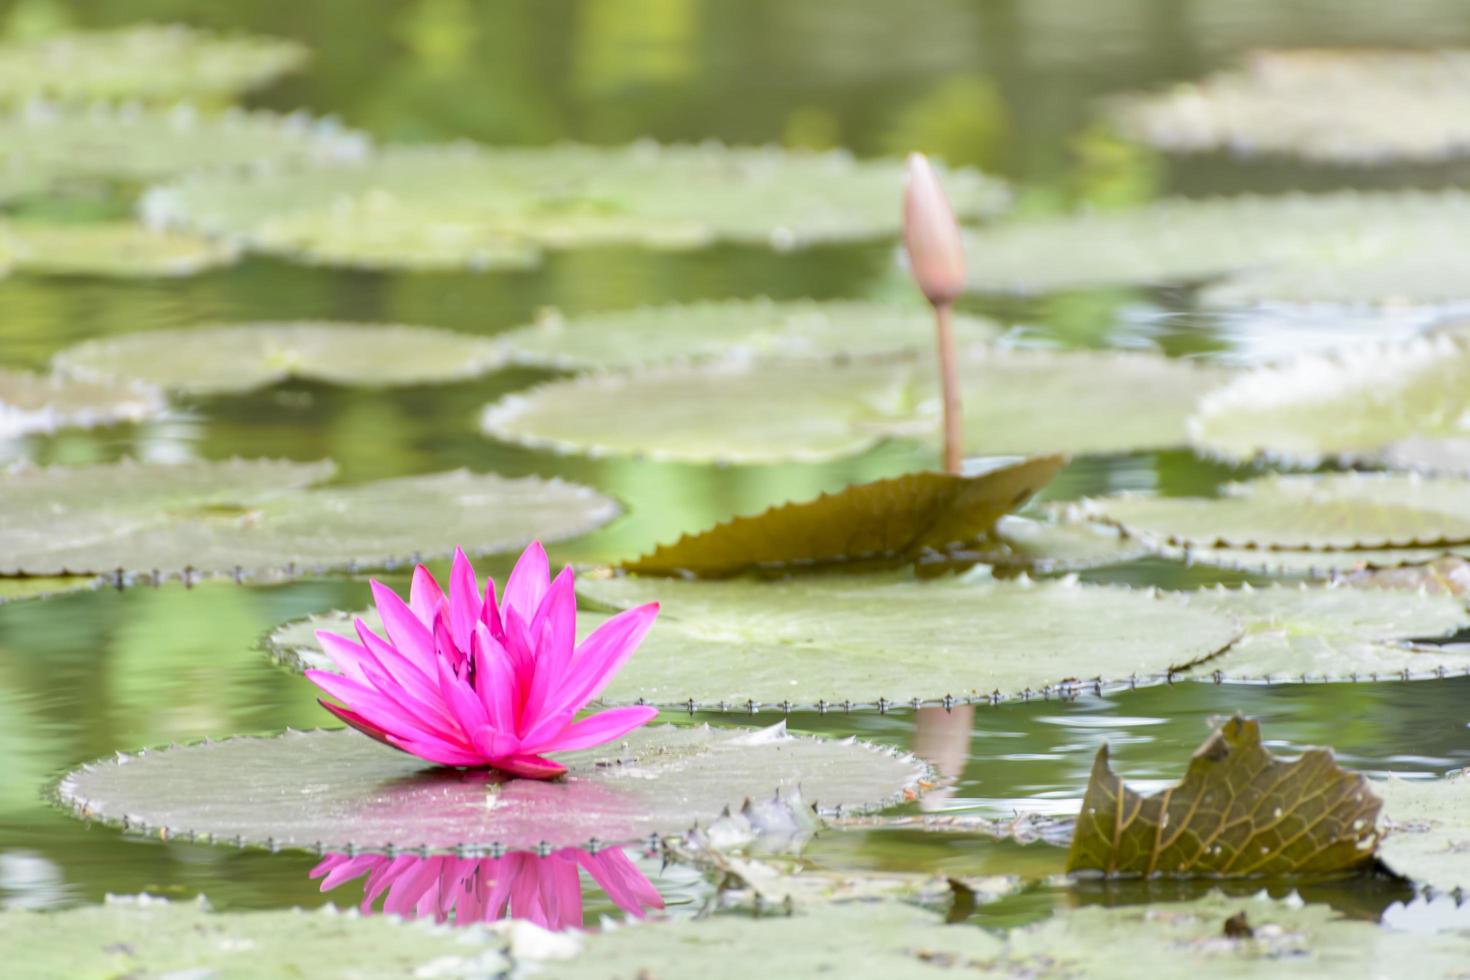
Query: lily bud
[[931, 235]]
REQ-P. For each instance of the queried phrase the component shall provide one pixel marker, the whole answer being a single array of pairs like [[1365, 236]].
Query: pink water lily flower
[[462, 680]]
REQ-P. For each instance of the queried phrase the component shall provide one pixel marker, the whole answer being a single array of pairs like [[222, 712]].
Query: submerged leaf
[[145, 936], [1359, 107], [45, 403], [255, 517], [478, 206], [363, 796], [1427, 829], [111, 248], [1349, 247], [760, 327], [208, 360], [752, 412], [1327, 512], [887, 521], [145, 62], [1239, 811]]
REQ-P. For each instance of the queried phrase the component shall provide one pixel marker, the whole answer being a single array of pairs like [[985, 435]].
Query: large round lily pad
[[760, 327], [1351, 404], [257, 517], [110, 248], [1346, 107], [340, 791], [1328, 512], [755, 412], [237, 357], [49, 147], [1345, 248], [146, 62], [477, 207], [43, 403], [149, 937], [1428, 829]]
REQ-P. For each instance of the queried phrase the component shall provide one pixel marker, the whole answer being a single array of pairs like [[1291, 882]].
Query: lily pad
[[52, 148], [147, 62], [359, 795], [751, 412], [43, 587], [1354, 107], [1238, 812], [1307, 564], [760, 327], [255, 518], [1348, 405], [209, 360], [506, 203], [113, 248], [889, 521], [1327, 512], [1448, 575], [1053, 546], [44, 403], [1427, 829], [1302, 632], [1350, 247], [144, 936]]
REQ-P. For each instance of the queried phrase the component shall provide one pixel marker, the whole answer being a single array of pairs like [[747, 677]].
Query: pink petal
[[495, 744], [357, 721], [400, 678], [468, 709], [437, 751], [370, 709], [464, 600], [554, 630], [597, 729], [490, 611], [528, 582], [424, 595], [495, 681], [602, 655], [530, 766], [616, 873], [408, 634], [344, 653]]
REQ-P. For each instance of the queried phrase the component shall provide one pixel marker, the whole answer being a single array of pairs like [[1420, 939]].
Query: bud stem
[[954, 437]]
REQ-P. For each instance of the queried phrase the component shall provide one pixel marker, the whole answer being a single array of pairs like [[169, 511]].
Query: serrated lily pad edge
[[63, 794]]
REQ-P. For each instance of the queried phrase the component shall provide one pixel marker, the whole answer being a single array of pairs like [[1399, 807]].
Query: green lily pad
[[113, 248], [1238, 812], [255, 518], [51, 148], [144, 936], [1305, 564], [358, 794], [1427, 829], [1302, 632], [147, 62], [43, 587], [482, 207], [753, 412], [1349, 405], [760, 327], [44, 403], [1049, 547], [1328, 512], [887, 521], [1447, 575], [1354, 107], [210, 360], [1350, 247]]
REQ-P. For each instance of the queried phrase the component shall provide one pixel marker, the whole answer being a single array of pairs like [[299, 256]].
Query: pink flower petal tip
[[466, 679], [931, 236]]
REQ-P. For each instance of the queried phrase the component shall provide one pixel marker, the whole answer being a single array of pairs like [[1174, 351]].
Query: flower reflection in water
[[520, 885]]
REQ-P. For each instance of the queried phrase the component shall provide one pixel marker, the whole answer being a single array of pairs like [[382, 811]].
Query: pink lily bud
[[931, 235]]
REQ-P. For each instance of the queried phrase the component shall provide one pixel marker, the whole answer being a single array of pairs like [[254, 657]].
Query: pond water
[[1008, 85]]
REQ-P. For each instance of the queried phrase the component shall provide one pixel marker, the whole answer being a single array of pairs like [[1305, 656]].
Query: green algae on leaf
[[1352, 107], [209, 360], [1427, 829], [1327, 512], [145, 62], [109, 248], [360, 795], [1348, 247], [501, 204], [141, 935], [44, 403], [760, 327], [1238, 812], [256, 518], [888, 521], [743, 411]]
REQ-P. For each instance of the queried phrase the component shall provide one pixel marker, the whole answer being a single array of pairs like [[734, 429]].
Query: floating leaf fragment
[[886, 521], [1358, 107], [1427, 829], [256, 518], [362, 796], [110, 248], [44, 403], [761, 327], [490, 203], [146, 936], [1238, 812], [145, 62], [1326, 512], [210, 359], [1448, 575]]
